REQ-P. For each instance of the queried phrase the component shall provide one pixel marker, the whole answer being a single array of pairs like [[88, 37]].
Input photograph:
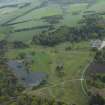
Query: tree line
[[91, 26]]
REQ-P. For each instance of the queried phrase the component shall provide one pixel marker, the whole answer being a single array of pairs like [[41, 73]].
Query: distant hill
[[73, 1], [11, 2]]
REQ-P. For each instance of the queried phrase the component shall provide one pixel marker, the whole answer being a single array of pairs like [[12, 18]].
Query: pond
[[27, 78]]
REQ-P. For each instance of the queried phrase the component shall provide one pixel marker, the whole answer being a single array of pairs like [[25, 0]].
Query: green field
[[47, 59], [72, 15], [80, 7], [98, 7], [42, 12], [30, 24]]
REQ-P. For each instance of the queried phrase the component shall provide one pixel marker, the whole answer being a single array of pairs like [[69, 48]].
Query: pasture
[[98, 7], [31, 16]]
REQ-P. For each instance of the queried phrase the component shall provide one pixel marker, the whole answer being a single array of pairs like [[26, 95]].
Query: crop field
[[68, 88]]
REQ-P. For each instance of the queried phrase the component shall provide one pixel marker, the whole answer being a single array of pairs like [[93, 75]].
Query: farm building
[[28, 79], [98, 44]]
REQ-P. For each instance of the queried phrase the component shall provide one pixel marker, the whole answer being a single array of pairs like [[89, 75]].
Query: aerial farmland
[[46, 52]]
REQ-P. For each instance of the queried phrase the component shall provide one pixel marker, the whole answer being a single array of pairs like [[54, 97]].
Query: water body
[[26, 77]]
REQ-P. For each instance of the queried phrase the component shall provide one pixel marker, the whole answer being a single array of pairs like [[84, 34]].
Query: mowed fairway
[[68, 88]]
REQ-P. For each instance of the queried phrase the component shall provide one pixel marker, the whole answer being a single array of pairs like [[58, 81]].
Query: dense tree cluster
[[4, 45], [91, 26], [19, 44], [52, 38], [96, 100], [100, 56], [25, 99], [9, 87], [53, 19]]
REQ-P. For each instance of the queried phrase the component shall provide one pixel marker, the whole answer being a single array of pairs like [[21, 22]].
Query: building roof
[[96, 43]]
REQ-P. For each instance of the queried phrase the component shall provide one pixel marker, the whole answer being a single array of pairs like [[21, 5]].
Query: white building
[[98, 44]]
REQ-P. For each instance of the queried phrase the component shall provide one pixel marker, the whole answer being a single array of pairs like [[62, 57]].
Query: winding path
[[83, 79]]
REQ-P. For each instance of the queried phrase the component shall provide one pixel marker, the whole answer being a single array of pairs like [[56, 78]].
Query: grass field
[[80, 7], [30, 24], [41, 12], [15, 12], [98, 7], [46, 59]]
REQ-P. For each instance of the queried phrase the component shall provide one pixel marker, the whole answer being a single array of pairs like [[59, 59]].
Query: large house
[[28, 79]]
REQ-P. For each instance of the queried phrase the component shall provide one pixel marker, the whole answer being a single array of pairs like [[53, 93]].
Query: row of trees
[[4, 44], [25, 99]]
